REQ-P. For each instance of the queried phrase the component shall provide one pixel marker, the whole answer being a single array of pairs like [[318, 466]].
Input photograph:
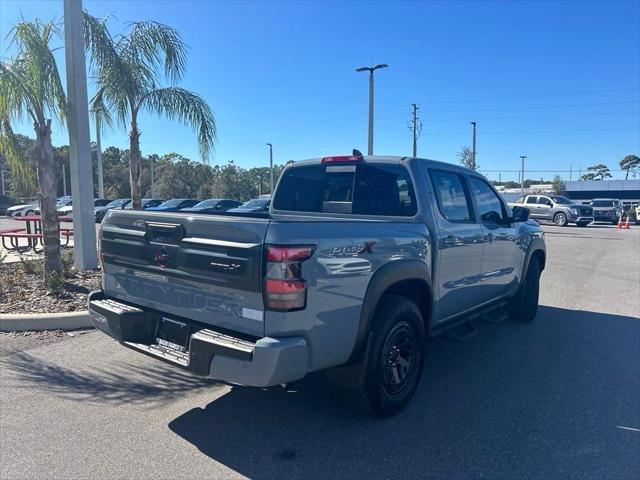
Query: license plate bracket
[[174, 334]]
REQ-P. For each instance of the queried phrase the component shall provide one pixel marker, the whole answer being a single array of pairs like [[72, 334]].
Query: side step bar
[[464, 328]]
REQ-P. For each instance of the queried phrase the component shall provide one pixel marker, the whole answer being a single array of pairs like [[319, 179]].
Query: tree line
[[175, 176]]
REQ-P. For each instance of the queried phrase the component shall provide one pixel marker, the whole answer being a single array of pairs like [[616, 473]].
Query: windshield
[[118, 203], [255, 204], [172, 203], [562, 200], [602, 203], [207, 203]]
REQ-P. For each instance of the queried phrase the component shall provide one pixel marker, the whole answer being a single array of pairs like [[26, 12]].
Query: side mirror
[[520, 214]]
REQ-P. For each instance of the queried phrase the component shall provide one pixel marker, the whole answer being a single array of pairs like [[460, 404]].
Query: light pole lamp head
[[364, 69], [380, 65], [270, 146]]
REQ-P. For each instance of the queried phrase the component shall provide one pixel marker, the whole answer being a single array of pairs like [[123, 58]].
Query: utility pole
[[99, 159], [415, 130], [270, 169], [570, 171], [84, 229], [64, 179], [371, 70], [522, 157], [473, 149]]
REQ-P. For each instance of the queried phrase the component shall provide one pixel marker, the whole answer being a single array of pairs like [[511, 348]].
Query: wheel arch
[[538, 249], [408, 278]]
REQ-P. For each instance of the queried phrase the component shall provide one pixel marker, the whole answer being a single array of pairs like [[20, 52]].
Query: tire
[[524, 305], [560, 219], [393, 360]]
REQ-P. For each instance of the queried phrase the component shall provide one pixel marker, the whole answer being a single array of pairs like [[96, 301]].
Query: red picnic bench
[[33, 239]]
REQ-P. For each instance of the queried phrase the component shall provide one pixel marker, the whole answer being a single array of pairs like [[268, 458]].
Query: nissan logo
[[162, 257]]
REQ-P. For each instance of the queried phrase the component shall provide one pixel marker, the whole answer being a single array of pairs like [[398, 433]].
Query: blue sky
[[557, 81]]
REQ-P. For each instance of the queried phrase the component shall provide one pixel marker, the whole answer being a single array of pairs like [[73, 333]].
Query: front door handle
[[451, 240]]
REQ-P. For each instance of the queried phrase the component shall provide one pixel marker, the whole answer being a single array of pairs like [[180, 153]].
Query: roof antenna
[[357, 153]]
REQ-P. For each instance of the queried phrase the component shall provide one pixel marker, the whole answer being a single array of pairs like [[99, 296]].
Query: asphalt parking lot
[[557, 398]]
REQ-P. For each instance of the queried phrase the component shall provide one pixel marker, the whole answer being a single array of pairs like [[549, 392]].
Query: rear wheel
[[524, 306], [560, 219], [393, 360]]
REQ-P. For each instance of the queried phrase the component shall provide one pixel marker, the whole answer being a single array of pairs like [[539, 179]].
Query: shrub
[[54, 282]]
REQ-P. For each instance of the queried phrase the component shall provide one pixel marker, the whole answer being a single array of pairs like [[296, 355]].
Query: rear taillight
[[284, 288]]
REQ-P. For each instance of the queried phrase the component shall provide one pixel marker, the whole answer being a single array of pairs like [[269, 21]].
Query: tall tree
[[465, 156], [30, 87], [597, 172], [559, 186], [129, 68], [630, 163]]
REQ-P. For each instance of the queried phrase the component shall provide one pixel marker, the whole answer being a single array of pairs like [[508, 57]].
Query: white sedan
[[22, 210]]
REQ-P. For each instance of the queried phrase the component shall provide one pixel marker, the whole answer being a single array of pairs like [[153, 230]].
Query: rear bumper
[[221, 356]]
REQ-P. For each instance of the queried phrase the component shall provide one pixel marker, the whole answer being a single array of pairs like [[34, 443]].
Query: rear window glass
[[602, 203], [452, 198], [363, 189]]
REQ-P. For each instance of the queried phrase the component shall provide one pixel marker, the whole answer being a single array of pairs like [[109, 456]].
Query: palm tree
[[30, 87], [128, 70]]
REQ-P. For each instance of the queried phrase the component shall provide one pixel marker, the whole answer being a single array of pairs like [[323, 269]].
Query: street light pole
[[99, 159], [473, 154], [371, 70], [270, 168], [84, 229], [522, 157], [153, 181]]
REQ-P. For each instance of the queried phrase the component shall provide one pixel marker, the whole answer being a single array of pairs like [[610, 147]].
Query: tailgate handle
[[164, 232]]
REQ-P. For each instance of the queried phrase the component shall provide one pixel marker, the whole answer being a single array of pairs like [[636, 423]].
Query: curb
[[45, 321]]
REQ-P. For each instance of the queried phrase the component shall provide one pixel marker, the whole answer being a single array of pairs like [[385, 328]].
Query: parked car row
[[187, 205], [563, 211]]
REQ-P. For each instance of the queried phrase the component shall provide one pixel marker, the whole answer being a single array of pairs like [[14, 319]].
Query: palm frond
[[114, 78], [100, 109], [21, 171], [15, 97], [152, 45], [39, 68], [187, 107]]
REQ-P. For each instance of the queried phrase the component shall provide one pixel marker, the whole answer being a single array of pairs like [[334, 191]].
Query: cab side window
[[545, 201], [451, 196], [489, 205], [532, 199]]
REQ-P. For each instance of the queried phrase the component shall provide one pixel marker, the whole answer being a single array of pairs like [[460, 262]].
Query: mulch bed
[[22, 290]]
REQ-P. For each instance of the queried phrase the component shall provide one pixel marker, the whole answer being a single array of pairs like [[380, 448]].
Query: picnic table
[[32, 233]]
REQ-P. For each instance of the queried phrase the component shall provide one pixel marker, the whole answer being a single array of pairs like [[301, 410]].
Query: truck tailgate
[[206, 268]]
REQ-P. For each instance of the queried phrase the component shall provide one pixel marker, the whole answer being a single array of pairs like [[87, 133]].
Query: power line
[[525, 97]]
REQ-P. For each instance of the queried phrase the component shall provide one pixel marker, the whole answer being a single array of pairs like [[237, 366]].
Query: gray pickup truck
[[358, 261], [557, 209]]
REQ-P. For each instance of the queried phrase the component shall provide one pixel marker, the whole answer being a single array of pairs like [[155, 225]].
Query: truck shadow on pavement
[[149, 385], [537, 400]]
